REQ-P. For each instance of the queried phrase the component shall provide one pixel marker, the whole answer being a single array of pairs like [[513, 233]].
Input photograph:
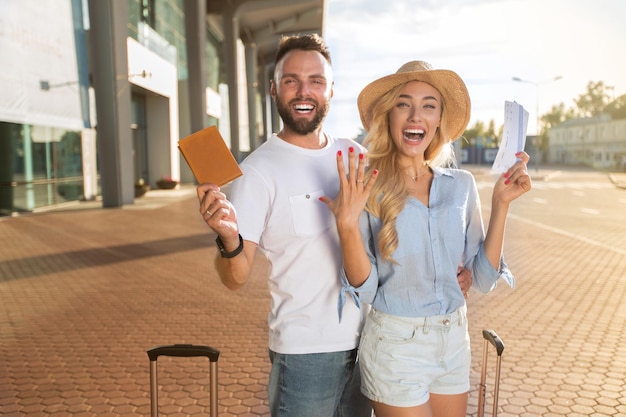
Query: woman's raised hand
[[354, 189], [514, 182]]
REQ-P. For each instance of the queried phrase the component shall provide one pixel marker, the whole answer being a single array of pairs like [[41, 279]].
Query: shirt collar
[[439, 171]]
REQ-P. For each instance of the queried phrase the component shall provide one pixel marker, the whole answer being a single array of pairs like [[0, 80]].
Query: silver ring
[[359, 180], [207, 212]]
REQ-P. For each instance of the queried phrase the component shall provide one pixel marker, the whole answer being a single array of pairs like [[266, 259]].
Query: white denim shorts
[[404, 359]]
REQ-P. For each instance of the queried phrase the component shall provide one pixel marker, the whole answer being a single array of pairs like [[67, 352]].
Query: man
[[312, 352]]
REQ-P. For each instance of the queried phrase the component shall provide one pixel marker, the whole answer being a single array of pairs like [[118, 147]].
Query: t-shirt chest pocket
[[310, 216]]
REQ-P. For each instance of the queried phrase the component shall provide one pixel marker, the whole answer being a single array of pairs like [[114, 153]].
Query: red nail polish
[[361, 156], [339, 152], [506, 182], [351, 149], [375, 172]]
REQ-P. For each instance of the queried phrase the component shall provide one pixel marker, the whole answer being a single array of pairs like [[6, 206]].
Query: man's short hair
[[311, 42]]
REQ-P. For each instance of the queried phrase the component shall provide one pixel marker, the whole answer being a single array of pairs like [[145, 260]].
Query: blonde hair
[[389, 193]]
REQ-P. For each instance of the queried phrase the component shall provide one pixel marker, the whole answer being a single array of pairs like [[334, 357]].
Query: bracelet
[[223, 251]]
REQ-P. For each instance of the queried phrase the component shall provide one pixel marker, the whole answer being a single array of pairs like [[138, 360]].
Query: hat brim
[[457, 104]]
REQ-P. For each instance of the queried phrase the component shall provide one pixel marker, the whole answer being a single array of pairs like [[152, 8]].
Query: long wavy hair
[[389, 194]]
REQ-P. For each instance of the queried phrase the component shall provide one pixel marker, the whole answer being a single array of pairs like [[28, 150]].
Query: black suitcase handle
[[495, 340], [184, 350]]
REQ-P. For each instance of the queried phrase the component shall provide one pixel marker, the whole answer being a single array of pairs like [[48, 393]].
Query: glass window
[[170, 24], [147, 12], [42, 166]]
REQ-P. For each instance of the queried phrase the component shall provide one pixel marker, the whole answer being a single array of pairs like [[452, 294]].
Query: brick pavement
[[85, 292]]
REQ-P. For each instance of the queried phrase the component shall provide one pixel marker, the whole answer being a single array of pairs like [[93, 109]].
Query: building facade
[[97, 93], [597, 142]]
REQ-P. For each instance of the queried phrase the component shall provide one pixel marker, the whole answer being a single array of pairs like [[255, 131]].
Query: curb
[[618, 179]]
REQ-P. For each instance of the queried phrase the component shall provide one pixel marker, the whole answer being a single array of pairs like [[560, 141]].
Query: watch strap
[[224, 253]]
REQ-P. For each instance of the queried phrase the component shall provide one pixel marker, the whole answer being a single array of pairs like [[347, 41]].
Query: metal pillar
[[108, 19], [231, 35], [252, 82], [195, 31]]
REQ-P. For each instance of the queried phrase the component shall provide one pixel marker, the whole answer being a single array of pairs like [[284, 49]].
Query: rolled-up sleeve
[[485, 277], [367, 291]]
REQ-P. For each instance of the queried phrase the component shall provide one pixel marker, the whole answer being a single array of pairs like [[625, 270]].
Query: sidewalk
[[85, 291]]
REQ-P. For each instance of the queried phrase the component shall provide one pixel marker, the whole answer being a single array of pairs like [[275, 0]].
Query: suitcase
[[182, 350], [490, 337]]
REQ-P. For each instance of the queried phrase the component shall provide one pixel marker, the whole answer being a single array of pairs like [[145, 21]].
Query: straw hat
[[451, 87]]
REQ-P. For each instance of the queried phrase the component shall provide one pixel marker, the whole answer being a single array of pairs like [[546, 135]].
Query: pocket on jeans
[[394, 332], [310, 216]]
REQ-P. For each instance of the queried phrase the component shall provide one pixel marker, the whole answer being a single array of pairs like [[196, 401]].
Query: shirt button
[[446, 322]]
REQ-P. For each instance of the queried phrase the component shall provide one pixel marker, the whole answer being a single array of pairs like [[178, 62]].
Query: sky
[[486, 42]]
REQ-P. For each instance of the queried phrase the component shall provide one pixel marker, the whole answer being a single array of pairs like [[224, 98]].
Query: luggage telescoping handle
[[182, 350], [490, 336]]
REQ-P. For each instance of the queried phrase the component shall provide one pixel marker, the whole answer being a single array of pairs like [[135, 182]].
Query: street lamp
[[538, 118]]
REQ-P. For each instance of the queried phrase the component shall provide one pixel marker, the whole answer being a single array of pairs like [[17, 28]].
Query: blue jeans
[[316, 385]]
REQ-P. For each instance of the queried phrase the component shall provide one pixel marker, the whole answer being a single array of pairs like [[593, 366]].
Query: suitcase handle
[[495, 340], [184, 350], [491, 337]]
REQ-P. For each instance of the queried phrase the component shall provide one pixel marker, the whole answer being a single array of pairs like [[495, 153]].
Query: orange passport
[[208, 157]]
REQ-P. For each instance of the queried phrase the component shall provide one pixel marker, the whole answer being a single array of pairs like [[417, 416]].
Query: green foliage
[[593, 101], [486, 136], [617, 108]]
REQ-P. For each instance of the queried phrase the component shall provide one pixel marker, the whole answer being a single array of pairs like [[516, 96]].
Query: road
[[583, 205]]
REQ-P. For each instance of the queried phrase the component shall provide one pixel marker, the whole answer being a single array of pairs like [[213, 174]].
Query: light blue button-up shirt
[[433, 242]]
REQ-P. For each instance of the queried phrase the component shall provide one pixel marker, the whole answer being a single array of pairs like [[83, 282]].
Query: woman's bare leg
[[384, 410], [449, 405], [437, 406]]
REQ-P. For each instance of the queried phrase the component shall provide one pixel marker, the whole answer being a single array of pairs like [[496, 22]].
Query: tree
[[617, 108], [473, 132], [593, 101], [487, 135], [491, 135]]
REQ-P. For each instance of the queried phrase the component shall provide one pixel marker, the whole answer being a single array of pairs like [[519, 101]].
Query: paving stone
[[84, 293]]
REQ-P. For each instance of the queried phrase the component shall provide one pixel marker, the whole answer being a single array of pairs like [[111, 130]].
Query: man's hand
[[218, 213], [465, 279]]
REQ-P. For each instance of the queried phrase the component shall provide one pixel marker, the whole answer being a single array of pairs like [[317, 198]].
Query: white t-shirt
[[278, 207]]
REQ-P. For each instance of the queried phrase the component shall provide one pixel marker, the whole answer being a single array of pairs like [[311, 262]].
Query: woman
[[405, 229]]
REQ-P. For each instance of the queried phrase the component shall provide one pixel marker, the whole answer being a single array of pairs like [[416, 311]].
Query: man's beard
[[300, 125]]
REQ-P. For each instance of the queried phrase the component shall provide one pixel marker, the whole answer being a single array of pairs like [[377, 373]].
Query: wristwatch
[[226, 254]]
